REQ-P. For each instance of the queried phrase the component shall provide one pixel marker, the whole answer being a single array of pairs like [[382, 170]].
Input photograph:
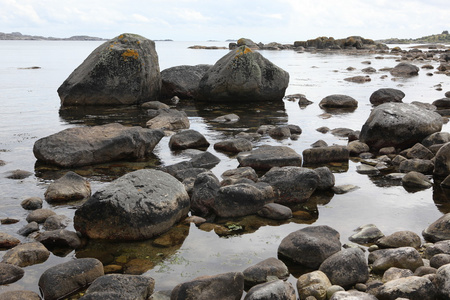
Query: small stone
[[343, 189], [32, 203], [40, 215], [7, 241]]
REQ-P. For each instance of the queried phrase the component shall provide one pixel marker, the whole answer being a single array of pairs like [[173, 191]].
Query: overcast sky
[[200, 20]]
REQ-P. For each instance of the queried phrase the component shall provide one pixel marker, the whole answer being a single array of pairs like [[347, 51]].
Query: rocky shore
[[17, 36], [403, 140]]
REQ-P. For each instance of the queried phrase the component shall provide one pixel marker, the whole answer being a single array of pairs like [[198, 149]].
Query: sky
[[283, 21]]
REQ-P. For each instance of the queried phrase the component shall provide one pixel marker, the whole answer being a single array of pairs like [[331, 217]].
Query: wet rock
[[346, 267], [56, 222], [358, 79], [222, 286], [366, 234], [32, 203], [242, 199], [265, 271], [275, 211], [319, 143], [19, 295], [352, 295], [436, 139], [27, 254], [302, 100], [182, 81], [313, 284], [81, 146], [326, 178], [9, 221], [385, 95], [413, 288], [404, 69], [439, 230], [442, 103], [121, 71], [205, 160], [227, 119], [243, 75], [7, 241], [419, 151], [437, 248], [40, 215], [59, 238], [343, 189], [387, 151], [63, 279], [277, 289], [416, 180], [279, 132], [266, 157], [323, 155], [204, 192], [367, 170], [168, 119], [18, 174], [28, 229], [442, 161], [399, 125], [404, 258], [10, 273], [154, 105], [120, 286], [338, 101], [291, 184], [235, 145], [439, 260], [396, 273], [356, 147], [67, 188], [310, 246], [423, 166], [139, 205], [369, 70], [400, 239], [188, 139], [323, 129], [240, 173]]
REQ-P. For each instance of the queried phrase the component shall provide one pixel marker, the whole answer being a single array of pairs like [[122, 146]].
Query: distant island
[[18, 36], [443, 38]]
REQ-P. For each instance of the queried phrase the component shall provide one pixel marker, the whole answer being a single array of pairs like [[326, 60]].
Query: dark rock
[[26, 254], [11, 273], [442, 103], [59, 238], [188, 139], [439, 230], [63, 279], [385, 95], [40, 215], [437, 248], [279, 132], [326, 178], [442, 161], [413, 288], [323, 155], [405, 70], [154, 105], [29, 228], [235, 145], [205, 160], [358, 79], [423, 166], [369, 70], [404, 258], [400, 239], [314, 284], [182, 81], [275, 211], [19, 295], [247, 42], [442, 282], [367, 169], [227, 119], [139, 205], [80, 146], [168, 119], [421, 271], [338, 101], [240, 173], [121, 71], [242, 199], [266, 157], [277, 289], [387, 151], [222, 286], [265, 271], [416, 180], [356, 147], [67, 188], [366, 234], [436, 138], [396, 273], [419, 151], [342, 132], [291, 184], [32, 203], [56, 222], [310, 246], [346, 267], [399, 125], [204, 192], [439, 260], [243, 75], [120, 286], [7, 241], [18, 174]]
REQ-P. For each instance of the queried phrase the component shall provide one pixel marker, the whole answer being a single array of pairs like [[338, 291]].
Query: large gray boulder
[[139, 205], [266, 157], [121, 71], [182, 81], [291, 184], [399, 125], [311, 245], [81, 146], [243, 75]]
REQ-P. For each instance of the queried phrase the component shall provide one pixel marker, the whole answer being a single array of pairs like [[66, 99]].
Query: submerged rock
[[405, 70], [266, 157], [69, 187], [168, 119], [338, 101]]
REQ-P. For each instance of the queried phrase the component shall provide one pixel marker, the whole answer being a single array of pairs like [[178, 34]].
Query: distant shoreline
[[17, 36]]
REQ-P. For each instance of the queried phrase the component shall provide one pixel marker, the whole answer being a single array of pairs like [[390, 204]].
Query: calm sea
[[30, 110]]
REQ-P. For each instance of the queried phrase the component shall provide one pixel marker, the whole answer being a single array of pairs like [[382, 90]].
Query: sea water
[[30, 110]]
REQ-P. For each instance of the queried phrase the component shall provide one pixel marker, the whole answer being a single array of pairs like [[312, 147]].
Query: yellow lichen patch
[[120, 36], [130, 53], [138, 42], [243, 50]]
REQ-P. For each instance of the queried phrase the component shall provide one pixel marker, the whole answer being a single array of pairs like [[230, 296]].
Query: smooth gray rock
[[10, 273], [59, 238], [139, 205], [277, 289], [326, 178], [366, 234], [442, 161], [55, 222], [27, 254], [239, 173], [243, 75], [416, 180], [62, 279], [235, 145], [439, 260], [227, 119], [412, 288], [403, 257], [424, 166], [399, 125], [265, 271], [419, 151], [400, 239], [121, 71], [154, 105], [442, 281], [40, 215], [436, 139], [323, 155], [338, 101], [275, 211], [352, 295], [69, 187], [19, 295], [81, 146], [168, 119], [384, 95], [188, 139], [356, 147], [29, 228], [404, 69], [227, 286], [396, 273], [266, 157], [310, 246], [182, 81], [439, 230], [437, 248], [7, 241], [291, 184], [313, 284], [32, 203], [206, 187]]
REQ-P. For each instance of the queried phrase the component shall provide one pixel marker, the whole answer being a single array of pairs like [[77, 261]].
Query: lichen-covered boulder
[[121, 71], [243, 75], [139, 205]]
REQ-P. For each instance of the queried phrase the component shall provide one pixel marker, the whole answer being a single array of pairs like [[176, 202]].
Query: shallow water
[[30, 110]]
